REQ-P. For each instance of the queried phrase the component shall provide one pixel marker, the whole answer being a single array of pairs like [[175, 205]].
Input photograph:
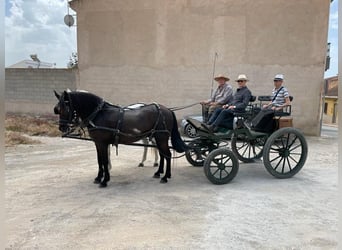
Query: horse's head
[[65, 110]]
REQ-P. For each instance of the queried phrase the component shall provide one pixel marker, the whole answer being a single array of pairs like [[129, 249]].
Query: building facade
[[330, 109], [167, 51]]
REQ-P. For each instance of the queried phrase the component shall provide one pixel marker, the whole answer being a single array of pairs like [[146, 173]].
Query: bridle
[[73, 120]]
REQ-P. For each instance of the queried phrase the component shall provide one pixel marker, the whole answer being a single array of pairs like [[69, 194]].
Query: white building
[[35, 63]]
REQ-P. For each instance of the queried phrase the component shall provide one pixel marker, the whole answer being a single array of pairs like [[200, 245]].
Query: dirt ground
[[51, 202]]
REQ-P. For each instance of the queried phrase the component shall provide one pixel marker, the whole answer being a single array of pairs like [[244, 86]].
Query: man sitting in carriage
[[222, 95], [263, 121], [223, 117]]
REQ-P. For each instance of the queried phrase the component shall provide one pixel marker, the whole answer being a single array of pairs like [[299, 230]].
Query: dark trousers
[[263, 121], [208, 110], [222, 118]]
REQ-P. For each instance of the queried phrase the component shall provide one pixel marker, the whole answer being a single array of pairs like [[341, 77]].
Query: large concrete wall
[[163, 50], [31, 90]]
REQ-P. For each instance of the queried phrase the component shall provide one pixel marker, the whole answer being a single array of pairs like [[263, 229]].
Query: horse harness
[[88, 122]]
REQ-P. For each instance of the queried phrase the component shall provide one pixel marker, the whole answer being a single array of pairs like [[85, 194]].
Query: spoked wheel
[[221, 166], [246, 149], [190, 131], [285, 152], [199, 150]]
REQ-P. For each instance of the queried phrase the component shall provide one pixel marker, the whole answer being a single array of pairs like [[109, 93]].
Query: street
[[329, 131], [51, 202]]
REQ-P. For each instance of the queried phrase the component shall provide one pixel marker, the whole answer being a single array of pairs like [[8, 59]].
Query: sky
[[37, 27], [333, 39]]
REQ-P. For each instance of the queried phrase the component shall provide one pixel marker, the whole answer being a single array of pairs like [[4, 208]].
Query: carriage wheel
[[198, 151], [285, 152], [247, 149], [221, 166], [191, 131]]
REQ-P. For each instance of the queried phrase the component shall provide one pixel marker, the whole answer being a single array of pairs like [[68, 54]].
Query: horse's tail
[[176, 140]]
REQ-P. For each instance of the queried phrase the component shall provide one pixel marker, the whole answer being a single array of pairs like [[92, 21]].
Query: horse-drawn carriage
[[283, 151]]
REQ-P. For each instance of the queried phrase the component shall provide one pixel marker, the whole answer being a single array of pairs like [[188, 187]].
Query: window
[[325, 108]]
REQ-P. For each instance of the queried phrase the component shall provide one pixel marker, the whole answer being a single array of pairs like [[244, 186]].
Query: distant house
[[35, 63], [330, 100]]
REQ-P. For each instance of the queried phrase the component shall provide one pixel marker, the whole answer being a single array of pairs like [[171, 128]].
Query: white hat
[[242, 77], [279, 77], [221, 77]]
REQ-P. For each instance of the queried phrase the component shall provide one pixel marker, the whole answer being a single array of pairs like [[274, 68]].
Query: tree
[[73, 61]]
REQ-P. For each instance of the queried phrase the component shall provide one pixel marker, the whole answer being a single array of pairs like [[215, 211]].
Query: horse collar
[[89, 119]]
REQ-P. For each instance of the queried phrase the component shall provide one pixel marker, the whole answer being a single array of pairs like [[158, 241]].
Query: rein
[[75, 123], [183, 107]]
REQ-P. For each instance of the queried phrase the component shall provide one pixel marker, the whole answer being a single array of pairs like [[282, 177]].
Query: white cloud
[[37, 27], [333, 20]]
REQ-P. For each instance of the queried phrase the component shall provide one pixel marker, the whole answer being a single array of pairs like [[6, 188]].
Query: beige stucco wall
[[163, 50]]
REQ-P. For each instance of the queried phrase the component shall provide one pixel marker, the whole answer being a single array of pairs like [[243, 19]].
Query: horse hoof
[[141, 165], [155, 165], [157, 176], [163, 180], [97, 181], [103, 185]]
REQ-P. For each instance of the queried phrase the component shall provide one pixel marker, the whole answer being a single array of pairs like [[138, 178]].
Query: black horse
[[109, 124]]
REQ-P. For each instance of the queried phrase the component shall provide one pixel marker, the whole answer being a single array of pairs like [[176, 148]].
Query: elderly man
[[222, 95], [280, 94], [264, 121], [223, 117]]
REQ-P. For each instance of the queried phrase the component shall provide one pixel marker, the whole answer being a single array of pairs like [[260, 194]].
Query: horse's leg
[[161, 167], [109, 162], [155, 151], [103, 160], [104, 154], [164, 153], [98, 179], [145, 141], [167, 155]]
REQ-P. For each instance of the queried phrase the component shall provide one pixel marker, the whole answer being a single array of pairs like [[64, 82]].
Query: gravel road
[[51, 202]]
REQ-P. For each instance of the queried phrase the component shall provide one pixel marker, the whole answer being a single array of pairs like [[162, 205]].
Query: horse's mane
[[82, 94], [85, 101]]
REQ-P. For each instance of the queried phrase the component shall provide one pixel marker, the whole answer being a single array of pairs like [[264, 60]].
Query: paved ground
[[51, 202]]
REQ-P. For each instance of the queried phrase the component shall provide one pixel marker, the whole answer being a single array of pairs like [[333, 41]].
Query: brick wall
[[31, 90]]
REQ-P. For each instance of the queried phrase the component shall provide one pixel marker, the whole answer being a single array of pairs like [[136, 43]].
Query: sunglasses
[[240, 80]]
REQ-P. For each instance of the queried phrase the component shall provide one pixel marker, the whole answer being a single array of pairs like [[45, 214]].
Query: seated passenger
[[222, 95], [264, 121], [223, 117]]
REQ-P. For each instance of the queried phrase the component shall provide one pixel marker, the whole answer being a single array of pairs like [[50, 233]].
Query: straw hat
[[221, 77], [242, 77]]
